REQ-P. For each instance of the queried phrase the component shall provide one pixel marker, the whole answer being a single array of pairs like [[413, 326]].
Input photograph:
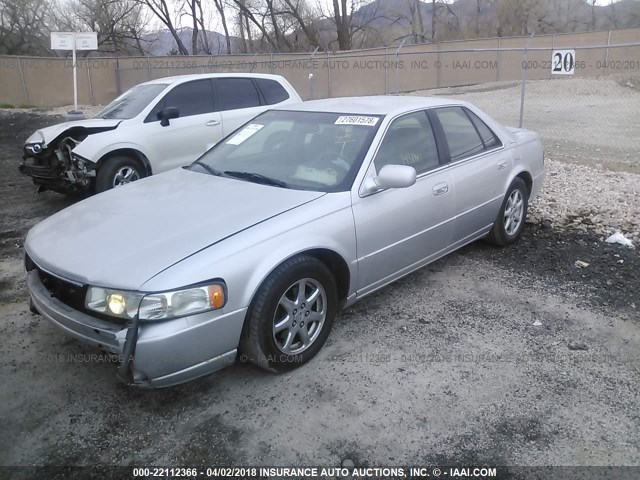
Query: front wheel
[[117, 171], [511, 218], [291, 315]]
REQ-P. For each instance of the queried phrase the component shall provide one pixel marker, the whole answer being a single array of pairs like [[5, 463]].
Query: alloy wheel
[[299, 316], [125, 175], [513, 212]]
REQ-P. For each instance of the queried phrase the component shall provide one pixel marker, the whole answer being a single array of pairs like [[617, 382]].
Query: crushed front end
[[55, 167]]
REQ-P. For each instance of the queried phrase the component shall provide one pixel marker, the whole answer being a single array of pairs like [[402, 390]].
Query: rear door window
[[462, 137], [234, 93], [489, 138]]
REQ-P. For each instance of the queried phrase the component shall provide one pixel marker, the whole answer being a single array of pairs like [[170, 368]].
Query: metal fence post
[[386, 69], [523, 68], [498, 61], [328, 76], [90, 84], [553, 46], [24, 84], [397, 63], [606, 53], [118, 87], [438, 65], [311, 72]]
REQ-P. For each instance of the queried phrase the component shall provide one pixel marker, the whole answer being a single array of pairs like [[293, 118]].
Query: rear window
[[273, 92]]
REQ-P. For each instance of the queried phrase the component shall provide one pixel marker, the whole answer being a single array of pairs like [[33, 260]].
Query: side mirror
[[391, 176], [167, 113]]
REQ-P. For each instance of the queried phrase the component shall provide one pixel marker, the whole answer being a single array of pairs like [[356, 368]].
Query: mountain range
[[388, 22]]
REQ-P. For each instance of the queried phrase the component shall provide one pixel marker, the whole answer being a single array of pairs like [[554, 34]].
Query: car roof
[[370, 105], [198, 76]]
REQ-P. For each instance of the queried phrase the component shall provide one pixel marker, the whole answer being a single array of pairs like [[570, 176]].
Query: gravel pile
[[588, 198]]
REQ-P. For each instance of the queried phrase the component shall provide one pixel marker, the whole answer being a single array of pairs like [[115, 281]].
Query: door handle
[[502, 165], [212, 123], [440, 189]]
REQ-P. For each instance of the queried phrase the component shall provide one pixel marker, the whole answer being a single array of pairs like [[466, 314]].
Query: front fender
[[95, 147], [244, 260]]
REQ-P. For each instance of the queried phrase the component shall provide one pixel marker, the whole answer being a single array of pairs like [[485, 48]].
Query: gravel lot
[[490, 356]]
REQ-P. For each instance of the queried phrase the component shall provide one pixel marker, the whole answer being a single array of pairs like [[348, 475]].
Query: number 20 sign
[[563, 62]]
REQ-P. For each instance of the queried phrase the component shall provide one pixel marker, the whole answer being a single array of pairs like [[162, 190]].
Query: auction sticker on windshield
[[356, 120], [245, 133]]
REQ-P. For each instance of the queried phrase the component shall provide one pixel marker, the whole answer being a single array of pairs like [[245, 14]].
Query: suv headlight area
[[159, 305]]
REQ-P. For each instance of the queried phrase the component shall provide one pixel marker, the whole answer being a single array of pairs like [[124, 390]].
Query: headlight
[[35, 148], [35, 143], [161, 306], [157, 306], [113, 302]]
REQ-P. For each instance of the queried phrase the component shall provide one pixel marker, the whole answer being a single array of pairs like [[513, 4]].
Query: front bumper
[[49, 173], [158, 354], [41, 173]]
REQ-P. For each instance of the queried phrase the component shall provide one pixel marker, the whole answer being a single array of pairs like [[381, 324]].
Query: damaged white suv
[[153, 127]]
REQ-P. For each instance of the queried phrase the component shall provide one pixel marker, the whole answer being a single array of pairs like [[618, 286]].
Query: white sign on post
[[87, 41], [62, 41], [563, 62], [74, 41], [67, 40]]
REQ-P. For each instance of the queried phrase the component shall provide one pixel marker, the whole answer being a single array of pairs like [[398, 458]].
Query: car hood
[[49, 134], [125, 236]]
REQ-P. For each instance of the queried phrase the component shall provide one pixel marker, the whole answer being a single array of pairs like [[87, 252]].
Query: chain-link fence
[[591, 120], [591, 113]]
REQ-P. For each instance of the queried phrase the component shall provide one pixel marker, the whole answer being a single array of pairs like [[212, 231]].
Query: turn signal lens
[[216, 296]]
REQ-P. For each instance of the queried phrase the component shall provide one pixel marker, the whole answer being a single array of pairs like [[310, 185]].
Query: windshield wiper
[[256, 177], [209, 169]]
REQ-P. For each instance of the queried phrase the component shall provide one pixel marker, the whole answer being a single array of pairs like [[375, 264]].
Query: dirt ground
[[490, 356]]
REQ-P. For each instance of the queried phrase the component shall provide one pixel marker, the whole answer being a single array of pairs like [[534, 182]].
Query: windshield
[[131, 102], [301, 150]]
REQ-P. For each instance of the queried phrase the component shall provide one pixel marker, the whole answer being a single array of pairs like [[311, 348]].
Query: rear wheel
[[511, 218], [291, 315], [117, 171]]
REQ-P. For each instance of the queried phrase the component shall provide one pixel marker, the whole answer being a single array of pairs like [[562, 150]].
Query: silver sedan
[[255, 247]]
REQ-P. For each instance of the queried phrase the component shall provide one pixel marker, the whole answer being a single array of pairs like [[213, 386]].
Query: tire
[[263, 343], [115, 170], [505, 231]]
